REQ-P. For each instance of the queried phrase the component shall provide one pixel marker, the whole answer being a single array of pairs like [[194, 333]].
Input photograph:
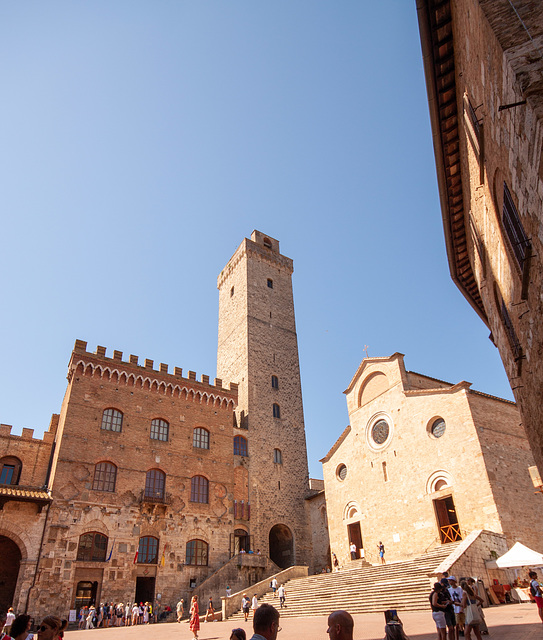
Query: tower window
[[199, 489], [105, 475], [112, 420], [277, 456], [148, 550], [276, 411], [10, 470], [270, 283], [514, 229], [159, 430], [275, 382], [154, 484], [231, 292], [267, 243], [240, 446], [385, 474], [92, 547], [200, 438]]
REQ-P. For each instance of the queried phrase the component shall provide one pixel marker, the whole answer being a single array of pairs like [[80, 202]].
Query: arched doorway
[[9, 571], [281, 546]]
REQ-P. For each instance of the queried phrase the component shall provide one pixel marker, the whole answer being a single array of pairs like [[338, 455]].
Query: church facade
[[425, 463], [150, 480]]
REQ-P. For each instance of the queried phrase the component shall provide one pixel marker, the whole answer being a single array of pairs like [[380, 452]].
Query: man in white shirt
[[457, 593], [353, 551], [282, 593], [274, 586]]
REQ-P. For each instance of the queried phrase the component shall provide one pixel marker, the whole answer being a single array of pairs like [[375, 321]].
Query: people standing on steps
[[282, 595], [228, 591], [254, 603], [340, 626], [381, 548], [335, 562], [274, 586], [352, 549]]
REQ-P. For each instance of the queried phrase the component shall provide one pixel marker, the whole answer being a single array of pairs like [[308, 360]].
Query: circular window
[[438, 428], [380, 432], [341, 472]]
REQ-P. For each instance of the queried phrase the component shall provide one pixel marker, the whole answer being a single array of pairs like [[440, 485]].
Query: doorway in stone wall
[[447, 520], [145, 589], [85, 594], [9, 571], [281, 546], [355, 535]]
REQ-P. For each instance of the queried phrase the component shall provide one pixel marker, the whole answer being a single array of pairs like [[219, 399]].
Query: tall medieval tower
[[258, 349]]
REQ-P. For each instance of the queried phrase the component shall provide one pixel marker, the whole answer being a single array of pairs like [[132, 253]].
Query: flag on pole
[[136, 556], [109, 556]]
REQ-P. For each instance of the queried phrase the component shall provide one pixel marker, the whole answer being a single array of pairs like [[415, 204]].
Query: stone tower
[[258, 349]]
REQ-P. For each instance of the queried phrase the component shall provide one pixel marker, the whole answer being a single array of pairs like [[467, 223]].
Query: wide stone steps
[[404, 586]]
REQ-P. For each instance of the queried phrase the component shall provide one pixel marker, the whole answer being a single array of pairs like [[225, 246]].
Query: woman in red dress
[[194, 617]]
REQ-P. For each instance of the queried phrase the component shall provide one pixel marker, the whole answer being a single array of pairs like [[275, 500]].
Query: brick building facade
[[149, 481], [484, 74], [424, 463]]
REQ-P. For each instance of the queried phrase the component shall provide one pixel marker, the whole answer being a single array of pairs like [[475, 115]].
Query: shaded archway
[[9, 571], [281, 546]]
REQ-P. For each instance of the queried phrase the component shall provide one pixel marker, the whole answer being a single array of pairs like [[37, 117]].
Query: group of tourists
[[456, 609], [117, 615]]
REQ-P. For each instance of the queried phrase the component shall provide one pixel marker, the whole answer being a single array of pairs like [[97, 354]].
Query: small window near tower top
[[277, 456], [231, 292], [276, 411], [270, 283], [267, 243], [275, 382]]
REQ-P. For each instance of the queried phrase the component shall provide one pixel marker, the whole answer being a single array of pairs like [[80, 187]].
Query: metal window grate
[[513, 227]]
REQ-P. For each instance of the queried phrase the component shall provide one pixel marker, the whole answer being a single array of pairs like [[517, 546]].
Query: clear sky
[[142, 141]]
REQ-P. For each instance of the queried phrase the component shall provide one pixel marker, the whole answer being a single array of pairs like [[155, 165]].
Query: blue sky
[[141, 141]]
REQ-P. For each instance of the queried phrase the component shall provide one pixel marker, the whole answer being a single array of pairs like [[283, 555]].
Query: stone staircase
[[404, 586]]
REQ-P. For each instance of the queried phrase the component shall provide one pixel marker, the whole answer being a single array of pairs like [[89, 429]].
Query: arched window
[[112, 420], [105, 475], [275, 382], [196, 553], [200, 438], [148, 550], [154, 484], [267, 243], [276, 411], [92, 547], [159, 429], [199, 489], [10, 470], [240, 446], [277, 456]]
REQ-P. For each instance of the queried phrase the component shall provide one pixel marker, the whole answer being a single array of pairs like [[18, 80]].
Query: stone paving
[[506, 622]]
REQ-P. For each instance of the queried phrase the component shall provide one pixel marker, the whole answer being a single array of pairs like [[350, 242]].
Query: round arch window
[[438, 427], [380, 432], [341, 472]]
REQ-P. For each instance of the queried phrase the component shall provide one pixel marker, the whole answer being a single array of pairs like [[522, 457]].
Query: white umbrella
[[518, 556]]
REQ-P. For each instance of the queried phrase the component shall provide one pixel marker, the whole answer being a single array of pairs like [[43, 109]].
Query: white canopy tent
[[518, 556]]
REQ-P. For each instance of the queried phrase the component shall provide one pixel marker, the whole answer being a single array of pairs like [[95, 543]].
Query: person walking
[[335, 562], [274, 586], [210, 610], [194, 624], [537, 593], [352, 549], [282, 595], [228, 591], [245, 604], [90, 617], [254, 603], [180, 610]]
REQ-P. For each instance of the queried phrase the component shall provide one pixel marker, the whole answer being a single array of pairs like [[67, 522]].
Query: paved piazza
[[506, 622]]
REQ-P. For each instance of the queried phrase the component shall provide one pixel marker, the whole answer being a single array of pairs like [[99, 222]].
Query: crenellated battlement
[[28, 434], [131, 373]]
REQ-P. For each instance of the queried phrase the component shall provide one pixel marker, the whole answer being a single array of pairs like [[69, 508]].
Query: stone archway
[[281, 546], [9, 571]]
